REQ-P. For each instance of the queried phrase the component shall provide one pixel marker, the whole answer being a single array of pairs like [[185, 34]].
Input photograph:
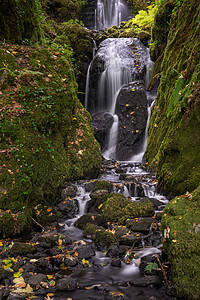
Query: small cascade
[[109, 13], [87, 86], [112, 139]]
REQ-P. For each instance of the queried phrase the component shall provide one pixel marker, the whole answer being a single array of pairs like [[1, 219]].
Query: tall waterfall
[[110, 12]]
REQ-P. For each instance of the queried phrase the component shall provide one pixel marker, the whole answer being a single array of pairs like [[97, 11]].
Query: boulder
[[142, 225], [68, 191], [19, 248], [131, 108], [36, 279], [85, 251], [68, 207], [102, 123], [147, 280]]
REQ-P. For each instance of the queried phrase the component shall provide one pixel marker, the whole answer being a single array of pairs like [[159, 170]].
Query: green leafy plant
[[151, 266]]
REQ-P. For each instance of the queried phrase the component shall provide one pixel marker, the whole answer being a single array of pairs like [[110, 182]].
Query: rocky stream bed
[[108, 245]]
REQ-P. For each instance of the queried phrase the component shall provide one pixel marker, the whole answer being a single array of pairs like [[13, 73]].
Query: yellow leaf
[[1, 244], [76, 253], [49, 209], [100, 206]]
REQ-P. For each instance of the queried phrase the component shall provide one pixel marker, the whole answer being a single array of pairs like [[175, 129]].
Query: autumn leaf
[[19, 282]]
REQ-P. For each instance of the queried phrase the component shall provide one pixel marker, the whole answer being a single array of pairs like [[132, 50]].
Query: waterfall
[[110, 152], [87, 86], [109, 13]]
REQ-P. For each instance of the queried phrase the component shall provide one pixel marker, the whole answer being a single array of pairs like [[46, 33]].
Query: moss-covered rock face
[[62, 10], [173, 144], [46, 135], [19, 20], [181, 231]]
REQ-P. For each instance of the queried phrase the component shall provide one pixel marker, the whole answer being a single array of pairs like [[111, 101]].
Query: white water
[[109, 13], [112, 139]]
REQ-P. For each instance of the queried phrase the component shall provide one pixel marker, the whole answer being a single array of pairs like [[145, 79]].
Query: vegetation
[[45, 133]]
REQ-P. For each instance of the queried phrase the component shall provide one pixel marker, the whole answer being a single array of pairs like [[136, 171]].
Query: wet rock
[[89, 218], [89, 186], [29, 267], [140, 224], [131, 108], [2, 274], [104, 239], [102, 123], [156, 202], [116, 262], [69, 191], [133, 240], [70, 262], [36, 279], [50, 238], [85, 251], [149, 260], [66, 284], [98, 194], [16, 296], [147, 280], [68, 207], [21, 249]]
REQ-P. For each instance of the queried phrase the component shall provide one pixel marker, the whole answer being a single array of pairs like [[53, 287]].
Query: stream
[[118, 65]]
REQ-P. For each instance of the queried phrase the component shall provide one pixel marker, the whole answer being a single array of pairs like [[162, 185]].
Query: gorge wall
[[174, 142]]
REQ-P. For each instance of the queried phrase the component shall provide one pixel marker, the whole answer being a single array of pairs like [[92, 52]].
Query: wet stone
[[85, 251], [36, 279], [147, 280], [142, 225], [66, 284], [116, 262]]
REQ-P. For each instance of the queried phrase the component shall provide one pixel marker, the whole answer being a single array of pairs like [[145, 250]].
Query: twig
[[163, 270], [37, 223]]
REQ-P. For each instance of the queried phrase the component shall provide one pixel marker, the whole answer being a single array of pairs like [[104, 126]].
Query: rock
[[19, 248], [36, 279], [2, 274], [102, 123], [89, 186], [70, 262], [98, 194], [69, 191], [85, 251], [66, 284], [149, 259], [147, 280], [133, 239], [116, 262], [68, 207], [156, 202], [131, 108], [140, 224], [50, 238], [29, 267], [89, 218]]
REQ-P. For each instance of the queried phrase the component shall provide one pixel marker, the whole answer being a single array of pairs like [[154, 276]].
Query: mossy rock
[[6, 225], [143, 208], [20, 21], [103, 185], [173, 142], [104, 239], [89, 218], [90, 230], [46, 214], [181, 232], [114, 206], [21, 249]]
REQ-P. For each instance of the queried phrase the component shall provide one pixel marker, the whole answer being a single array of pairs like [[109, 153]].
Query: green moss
[[174, 125], [20, 20], [113, 207], [6, 225], [180, 223], [103, 185], [104, 239]]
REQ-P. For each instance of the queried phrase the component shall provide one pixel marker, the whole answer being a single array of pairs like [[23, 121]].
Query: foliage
[[181, 231], [151, 266]]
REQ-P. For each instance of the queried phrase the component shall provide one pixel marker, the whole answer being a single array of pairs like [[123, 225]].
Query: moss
[[20, 20], [103, 185], [180, 225], [21, 248], [104, 239], [173, 141], [6, 225], [46, 214], [113, 207], [44, 130]]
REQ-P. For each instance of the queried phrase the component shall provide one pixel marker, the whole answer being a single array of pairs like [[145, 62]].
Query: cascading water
[[109, 13]]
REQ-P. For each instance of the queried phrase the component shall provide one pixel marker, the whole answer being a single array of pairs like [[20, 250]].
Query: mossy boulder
[[114, 206], [181, 232], [46, 214], [19, 248], [103, 185], [173, 143], [104, 239], [20, 21], [89, 218]]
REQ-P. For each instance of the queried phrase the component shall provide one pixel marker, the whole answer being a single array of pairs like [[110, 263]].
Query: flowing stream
[[123, 61]]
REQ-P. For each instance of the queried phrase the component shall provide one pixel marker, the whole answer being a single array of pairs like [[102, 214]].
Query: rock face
[[102, 123], [131, 108]]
